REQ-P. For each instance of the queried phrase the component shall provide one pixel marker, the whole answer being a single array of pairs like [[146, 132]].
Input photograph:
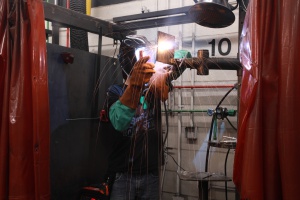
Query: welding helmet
[[129, 52]]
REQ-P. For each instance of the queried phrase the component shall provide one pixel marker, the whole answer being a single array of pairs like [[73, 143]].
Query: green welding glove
[[140, 75]]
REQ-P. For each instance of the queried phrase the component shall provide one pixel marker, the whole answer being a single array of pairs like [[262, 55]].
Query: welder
[[134, 113]]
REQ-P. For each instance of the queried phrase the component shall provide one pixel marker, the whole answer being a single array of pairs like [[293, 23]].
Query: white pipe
[[192, 83], [178, 186]]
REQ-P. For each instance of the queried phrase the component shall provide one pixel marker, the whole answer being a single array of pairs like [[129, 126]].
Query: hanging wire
[[234, 87], [225, 171], [167, 124], [174, 161], [244, 7], [236, 5], [231, 124], [214, 119]]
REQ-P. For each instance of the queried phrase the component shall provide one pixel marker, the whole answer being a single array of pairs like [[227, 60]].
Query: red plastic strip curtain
[[24, 136], [266, 165]]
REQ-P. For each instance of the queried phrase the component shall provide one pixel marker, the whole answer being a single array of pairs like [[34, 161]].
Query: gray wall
[[77, 93]]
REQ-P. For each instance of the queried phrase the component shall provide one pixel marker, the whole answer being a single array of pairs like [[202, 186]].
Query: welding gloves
[[140, 75], [159, 83]]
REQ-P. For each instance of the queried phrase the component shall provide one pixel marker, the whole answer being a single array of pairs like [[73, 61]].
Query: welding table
[[204, 178]]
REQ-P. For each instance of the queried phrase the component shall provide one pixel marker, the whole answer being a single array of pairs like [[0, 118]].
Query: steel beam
[[147, 15], [68, 18], [153, 23], [154, 19]]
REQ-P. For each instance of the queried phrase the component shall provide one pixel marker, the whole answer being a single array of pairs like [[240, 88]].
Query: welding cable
[[163, 176], [163, 145], [209, 139], [234, 87], [244, 7], [212, 123], [231, 124], [167, 125], [174, 161], [235, 7], [225, 172], [210, 132]]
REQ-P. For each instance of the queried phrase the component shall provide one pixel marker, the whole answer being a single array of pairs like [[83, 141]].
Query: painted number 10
[[220, 44]]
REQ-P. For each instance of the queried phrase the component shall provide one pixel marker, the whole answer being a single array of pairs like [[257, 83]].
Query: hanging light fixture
[[212, 13]]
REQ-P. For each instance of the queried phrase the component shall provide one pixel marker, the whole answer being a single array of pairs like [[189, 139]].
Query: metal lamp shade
[[212, 13]]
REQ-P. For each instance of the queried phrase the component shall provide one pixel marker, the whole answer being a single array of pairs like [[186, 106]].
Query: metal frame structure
[[125, 25], [160, 18]]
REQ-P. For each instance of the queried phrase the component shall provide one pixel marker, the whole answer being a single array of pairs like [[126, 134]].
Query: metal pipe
[[68, 29], [179, 150], [201, 86], [192, 80], [55, 29], [47, 28], [180, 111], [179, 116], [178, 184], [208, 64]]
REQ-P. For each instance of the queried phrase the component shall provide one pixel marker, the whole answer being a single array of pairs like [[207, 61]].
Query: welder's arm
[[160, 82], [122, 112], [120, 115], [141, 74]]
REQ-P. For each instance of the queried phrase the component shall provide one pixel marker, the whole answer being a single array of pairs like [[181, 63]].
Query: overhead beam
[[154, 23], [147, 15], [68, 18], [155, 19]]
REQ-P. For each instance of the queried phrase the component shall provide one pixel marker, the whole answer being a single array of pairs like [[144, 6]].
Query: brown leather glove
[[141, 74], [159, 80]]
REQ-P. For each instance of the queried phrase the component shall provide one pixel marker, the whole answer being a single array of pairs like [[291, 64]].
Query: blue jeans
[[135, 187]]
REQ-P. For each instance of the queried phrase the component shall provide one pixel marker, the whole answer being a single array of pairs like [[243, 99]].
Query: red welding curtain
[[24, 116], [267, 161]]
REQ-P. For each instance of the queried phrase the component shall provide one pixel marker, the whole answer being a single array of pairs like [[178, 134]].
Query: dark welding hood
[[212, 13]]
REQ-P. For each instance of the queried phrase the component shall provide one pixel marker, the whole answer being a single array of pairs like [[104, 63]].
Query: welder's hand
[[159, 81], [141, 72]]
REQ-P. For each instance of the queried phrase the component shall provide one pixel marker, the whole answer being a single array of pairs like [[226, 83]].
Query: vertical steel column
[[98, 70], [55, 29]]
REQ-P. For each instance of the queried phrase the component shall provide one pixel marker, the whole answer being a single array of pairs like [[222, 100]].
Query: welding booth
[[77, 86], [75, 105], [50, 114]]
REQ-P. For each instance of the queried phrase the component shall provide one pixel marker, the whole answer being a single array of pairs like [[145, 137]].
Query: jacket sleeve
[[120, 116]]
